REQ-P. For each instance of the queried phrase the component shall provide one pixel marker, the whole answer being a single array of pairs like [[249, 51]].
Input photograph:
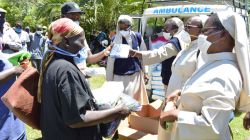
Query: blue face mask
[[59, 50], [78, 57], [18, 30], [82, 56]]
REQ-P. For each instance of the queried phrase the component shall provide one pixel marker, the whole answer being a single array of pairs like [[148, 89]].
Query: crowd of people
[[205, 72]]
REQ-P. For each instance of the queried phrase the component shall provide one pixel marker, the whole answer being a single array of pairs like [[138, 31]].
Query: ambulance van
[[157, 12]]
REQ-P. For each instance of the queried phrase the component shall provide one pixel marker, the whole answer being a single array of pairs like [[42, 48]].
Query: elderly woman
[[178, 40], [185, 63], [211, 94], [128, 70], [68, 110]]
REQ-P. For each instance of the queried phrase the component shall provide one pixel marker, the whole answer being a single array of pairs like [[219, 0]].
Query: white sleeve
[[12, 39], [27, 36], [218, 103], [159, 55]]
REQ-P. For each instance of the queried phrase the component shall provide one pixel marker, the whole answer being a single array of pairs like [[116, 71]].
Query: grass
[[95, 82], [239, 132], [32, 134]]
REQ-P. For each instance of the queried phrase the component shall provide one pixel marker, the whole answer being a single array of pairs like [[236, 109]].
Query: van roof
[[235, 3], [189, 10]]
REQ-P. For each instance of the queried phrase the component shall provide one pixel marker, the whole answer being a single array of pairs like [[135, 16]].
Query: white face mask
[[39, 32], [124, 33], [77, 22], [167, 36], [203, 43]]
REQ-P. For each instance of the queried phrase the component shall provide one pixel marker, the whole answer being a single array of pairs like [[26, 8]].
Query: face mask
[[167, 36], [124, 33], [203, 43], [39, 32], [18, 30], [59, 50], [81, 56], [77, 22]]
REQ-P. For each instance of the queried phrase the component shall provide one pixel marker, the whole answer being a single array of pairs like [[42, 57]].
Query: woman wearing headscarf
[[178, 40], [186, 60], [128, 70], [68, 109], [212, 93], [184, 64]]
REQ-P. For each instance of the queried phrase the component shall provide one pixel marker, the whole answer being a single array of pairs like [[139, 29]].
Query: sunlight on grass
[[33, 134], [239, 132], [96, 81]]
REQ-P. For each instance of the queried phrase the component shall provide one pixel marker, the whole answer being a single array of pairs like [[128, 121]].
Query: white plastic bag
[[95, 71], [120, 51], [108, 95], [131, 103]]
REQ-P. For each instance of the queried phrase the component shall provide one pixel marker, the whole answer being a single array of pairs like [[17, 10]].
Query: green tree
[[100, 14]]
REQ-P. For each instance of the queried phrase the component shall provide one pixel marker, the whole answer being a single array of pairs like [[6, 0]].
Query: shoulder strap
[[197, 54], [176, 43]]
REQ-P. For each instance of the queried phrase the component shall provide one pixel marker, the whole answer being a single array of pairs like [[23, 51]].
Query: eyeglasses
[[191, 26], [126, 29], [206, 29], [165, 30]]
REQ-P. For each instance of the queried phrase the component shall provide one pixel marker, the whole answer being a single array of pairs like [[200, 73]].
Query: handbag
[[107, 130], [21, 98]]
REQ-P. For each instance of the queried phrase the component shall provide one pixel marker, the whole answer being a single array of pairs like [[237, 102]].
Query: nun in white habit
[[213, 91], [184, 64], [128, 70]]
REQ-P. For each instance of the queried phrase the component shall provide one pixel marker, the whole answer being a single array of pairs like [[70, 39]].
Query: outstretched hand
[[123, 110], [107, 50], [18, 70], [168, 116], [174, 96]]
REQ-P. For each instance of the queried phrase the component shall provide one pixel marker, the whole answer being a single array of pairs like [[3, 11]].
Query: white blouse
[[207, 100], [159, 55], [183, 67]]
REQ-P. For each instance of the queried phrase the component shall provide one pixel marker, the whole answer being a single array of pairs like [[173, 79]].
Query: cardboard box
[[127, 133], [147, 119]]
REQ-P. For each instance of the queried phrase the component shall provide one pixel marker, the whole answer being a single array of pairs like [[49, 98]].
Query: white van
[[158, 12]]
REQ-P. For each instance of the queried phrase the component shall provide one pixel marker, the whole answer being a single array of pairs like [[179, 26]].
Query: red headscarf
[[61, 28]]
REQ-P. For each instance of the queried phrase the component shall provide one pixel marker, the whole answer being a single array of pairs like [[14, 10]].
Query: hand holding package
[[120, 51], [108, 95], [131, 103]]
